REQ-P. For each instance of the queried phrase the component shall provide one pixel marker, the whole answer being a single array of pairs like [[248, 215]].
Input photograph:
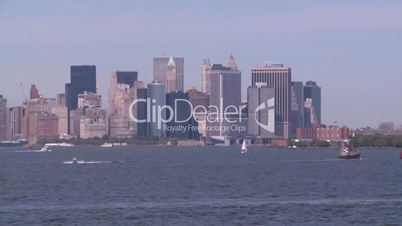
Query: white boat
[[244, 147], [107, 145], [45, 149], [74, 160], [59, 145]]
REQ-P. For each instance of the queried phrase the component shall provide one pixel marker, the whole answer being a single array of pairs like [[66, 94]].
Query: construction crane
[[23, 93]]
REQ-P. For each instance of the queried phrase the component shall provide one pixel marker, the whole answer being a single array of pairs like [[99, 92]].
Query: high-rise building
[[126, 77], [82, 78], [3, 118], [206, 76], [225, 91], [313, 92], [199, 101], [60, 110], [171, 76], [161, 68], [261, 111], [39, 123], [157, 96], [141, 109], [15, 123], [33, 92], [181, 118], [92, 121], [121, 94], [296, 107], [279, 77]]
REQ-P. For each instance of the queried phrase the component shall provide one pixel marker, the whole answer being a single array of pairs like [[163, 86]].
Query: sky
[[352, 49]]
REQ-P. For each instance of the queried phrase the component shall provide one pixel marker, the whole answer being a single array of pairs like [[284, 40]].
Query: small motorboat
[[74, 160], [348, 151], [244, 147], [45, 149]]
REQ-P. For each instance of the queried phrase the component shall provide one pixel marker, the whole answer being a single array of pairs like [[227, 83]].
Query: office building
[[182, 118], [157, 96], [160, 70], [279, 77], [142, 112], [3, 118], [296, 108], [225, 91], [92, 119], [121, 94], [206, 76], [261, 111], [15, 120], [82, 78], [313, 91]]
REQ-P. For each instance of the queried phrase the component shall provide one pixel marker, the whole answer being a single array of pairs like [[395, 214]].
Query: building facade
[[279, 77], [121, 94], [160, 69], [296, 108], [225, 91], [15, 120], [261, 111], [206, 76], [157, 98], [82, 78], [313, 92], [3, 118]]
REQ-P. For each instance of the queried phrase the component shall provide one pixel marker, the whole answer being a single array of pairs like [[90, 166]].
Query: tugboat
[[348, 151]]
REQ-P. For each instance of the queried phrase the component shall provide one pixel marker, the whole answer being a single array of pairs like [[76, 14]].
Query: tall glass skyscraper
[[161, 68], [82, 78], [279, 77], [313, 91], [157, 96]]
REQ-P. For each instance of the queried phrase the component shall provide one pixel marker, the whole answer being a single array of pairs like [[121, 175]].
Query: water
[[199, 186]]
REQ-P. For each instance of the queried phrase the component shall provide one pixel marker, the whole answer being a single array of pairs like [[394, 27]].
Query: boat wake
[[32, 151], [85, 162]]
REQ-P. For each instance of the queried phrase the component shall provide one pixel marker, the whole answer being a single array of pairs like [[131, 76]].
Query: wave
[[224, 203]]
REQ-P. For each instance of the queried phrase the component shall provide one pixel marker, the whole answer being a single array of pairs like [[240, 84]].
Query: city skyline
[[351, 43]]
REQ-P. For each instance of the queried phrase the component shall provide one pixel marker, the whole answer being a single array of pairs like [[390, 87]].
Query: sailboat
[[244, 147]]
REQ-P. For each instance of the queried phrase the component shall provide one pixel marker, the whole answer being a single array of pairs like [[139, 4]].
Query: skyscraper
[[3, 118], [122, 92], [296, 107], [225, 91], [82, 78], [261, 111], [161, 68], [15, 123], [313, 92], [279, 77], [171, 76], [157, 96], [141, 109], [126, 77], [206, 76], [182, 116]]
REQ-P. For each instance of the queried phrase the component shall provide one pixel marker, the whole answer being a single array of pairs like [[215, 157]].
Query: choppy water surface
[[199, 186]]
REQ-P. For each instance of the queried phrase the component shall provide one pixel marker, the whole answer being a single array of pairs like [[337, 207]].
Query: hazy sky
[[352, 50]]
